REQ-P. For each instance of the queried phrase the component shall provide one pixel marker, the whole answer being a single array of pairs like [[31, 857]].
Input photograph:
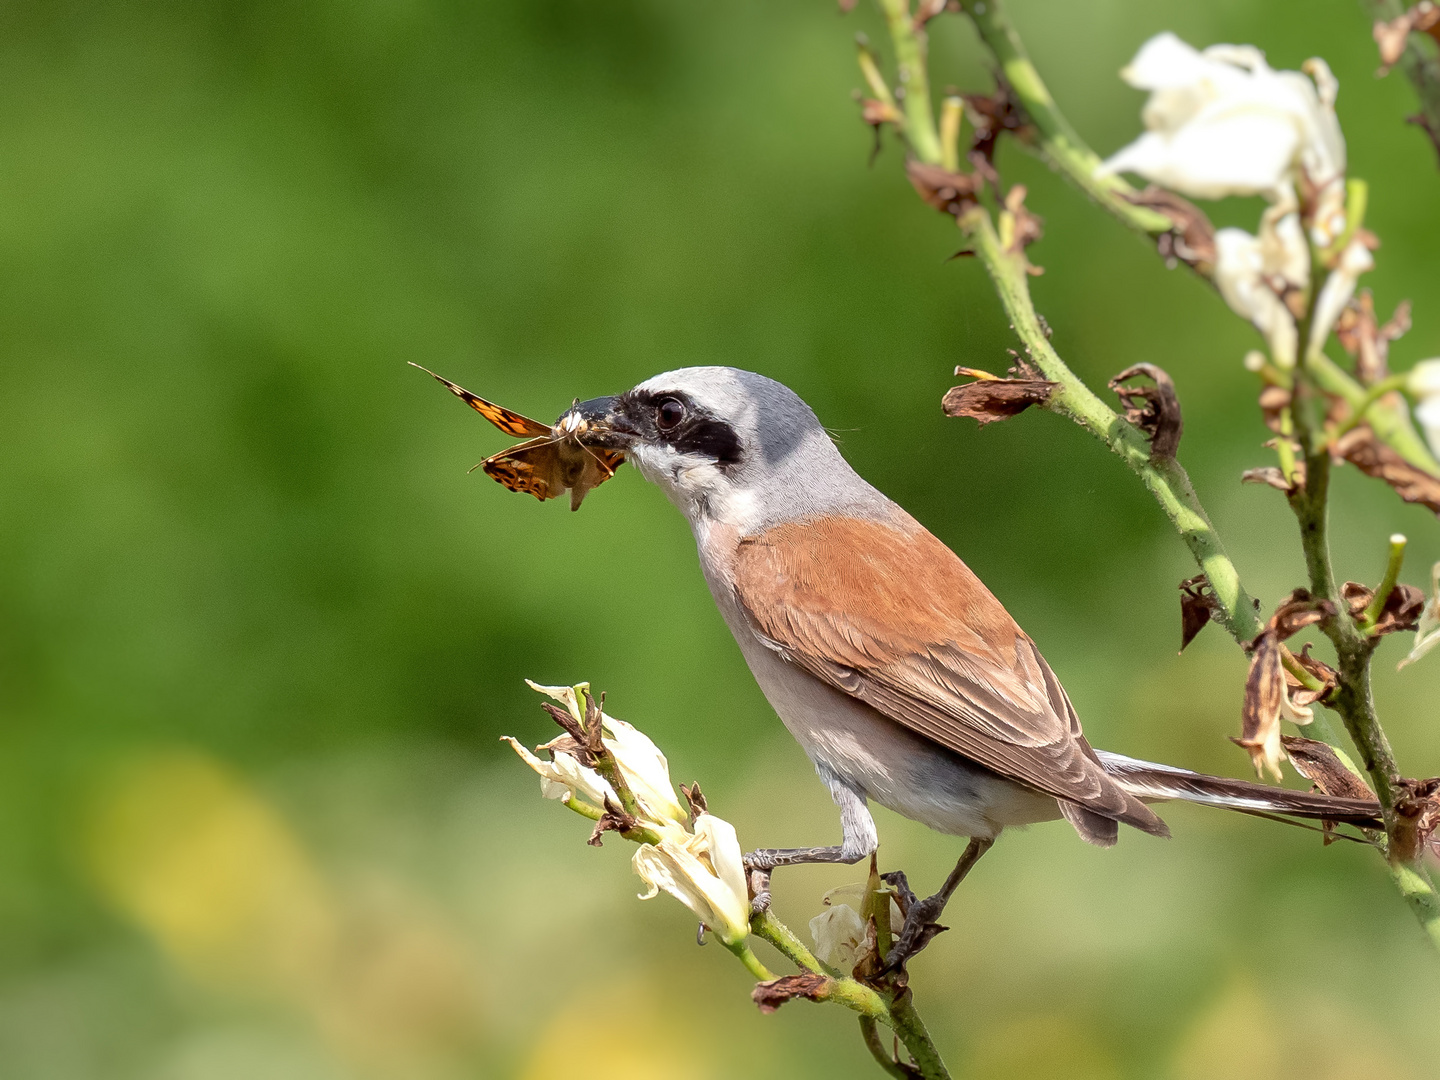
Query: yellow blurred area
[[637, 1039], [214, 874]]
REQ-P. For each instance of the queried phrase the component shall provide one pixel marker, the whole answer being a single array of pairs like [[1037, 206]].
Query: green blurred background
[[259, 631]]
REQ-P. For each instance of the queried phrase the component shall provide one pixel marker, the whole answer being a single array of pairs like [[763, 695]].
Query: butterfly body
[[549, 463]]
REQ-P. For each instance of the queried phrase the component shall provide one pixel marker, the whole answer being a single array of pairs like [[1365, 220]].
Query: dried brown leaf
[[1267, 475], [1368, 342], [1273, 400], [1318, 763], [1401, 611], [1155, 410], [1298, 611], [948, 192], [613, 819], [1027, 226], [769, 996], [1362, 448], [1260, 714], [988, 400], [1417, 815], [1197, 602], [1391, 36], [992, 114], [1192, 240], [695, 799]]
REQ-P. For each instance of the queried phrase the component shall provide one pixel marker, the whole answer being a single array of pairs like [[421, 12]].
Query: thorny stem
[[1421, 67]]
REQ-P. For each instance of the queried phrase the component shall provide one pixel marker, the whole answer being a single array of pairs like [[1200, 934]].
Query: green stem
[[1420, 65], [1373, 393], [870, 1032], [916, 1038], [1419, 892], [1058, 142], [1387, 583], [1388, 417], [1165, 478], [751, 961], [914, 73], [899, 1014]]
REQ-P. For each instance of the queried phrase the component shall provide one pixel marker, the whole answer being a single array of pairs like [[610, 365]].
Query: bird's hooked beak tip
[[596, 423]]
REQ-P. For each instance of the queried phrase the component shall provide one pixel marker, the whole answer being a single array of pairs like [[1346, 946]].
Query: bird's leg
[[860, 840], [920, 915]]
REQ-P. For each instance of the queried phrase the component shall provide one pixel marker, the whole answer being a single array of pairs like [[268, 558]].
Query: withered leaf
[[695, 799], [1027, 226], [1366, 452], [1260, 714], [1401, 611], [1267, 475], [1197, 602], [1417, 814], [769, 996], [613, 819], [1360, 335], [948, 192], [1327, 676], [988, 400], [1273, 399], [1155, 410], [1192, 240], [1298, 611], [1390, 36], [992, 114], [1317, 762]]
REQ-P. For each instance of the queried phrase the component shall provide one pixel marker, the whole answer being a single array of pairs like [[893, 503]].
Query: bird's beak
[[597, 424]]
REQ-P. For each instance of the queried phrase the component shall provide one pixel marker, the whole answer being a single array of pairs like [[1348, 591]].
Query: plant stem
[[1059, 143], [1420, 65], [1166, 479], [870, 1032], [751, 961], [1387, 583], [898, 1014], [914, 80], [1421, 895]]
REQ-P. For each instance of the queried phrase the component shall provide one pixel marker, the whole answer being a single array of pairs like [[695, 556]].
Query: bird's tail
[[1147, 780]]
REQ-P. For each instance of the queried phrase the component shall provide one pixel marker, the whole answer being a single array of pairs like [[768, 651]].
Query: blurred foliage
[[259, 632]]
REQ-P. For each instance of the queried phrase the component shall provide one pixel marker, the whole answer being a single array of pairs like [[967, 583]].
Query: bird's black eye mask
[[673, 418]]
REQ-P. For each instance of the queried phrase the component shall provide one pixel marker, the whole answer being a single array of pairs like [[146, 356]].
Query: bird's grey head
[[729, 446]]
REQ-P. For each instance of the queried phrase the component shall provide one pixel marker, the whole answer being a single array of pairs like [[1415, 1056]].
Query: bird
[[903, 678]]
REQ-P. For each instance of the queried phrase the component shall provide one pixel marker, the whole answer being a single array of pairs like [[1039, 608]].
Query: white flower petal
[[853, 894], [1427, 633], [565, 695], [645, 770], [1240, 277], [1339, 287], [1222, 122], [564, 775], [673, 867], [839, 936], [1424, 379]]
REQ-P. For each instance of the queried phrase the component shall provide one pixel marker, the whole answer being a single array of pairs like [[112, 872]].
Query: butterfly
[[550, 462]]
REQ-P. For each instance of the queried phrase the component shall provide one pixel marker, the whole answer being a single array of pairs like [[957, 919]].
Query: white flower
[[1339, 288], [839, 932], [1427, 634], [1424, 384], [1223, 122], [1246, 270], [704, 871], [643, 766], [564, 778]]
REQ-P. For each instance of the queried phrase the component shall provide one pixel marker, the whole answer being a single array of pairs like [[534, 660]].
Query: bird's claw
[[920, 927], [759, 880]]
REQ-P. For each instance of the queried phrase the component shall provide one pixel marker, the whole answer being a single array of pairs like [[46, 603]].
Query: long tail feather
[[1147, 780]]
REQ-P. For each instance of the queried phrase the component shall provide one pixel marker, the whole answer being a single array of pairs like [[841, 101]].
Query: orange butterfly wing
[[512, 423]]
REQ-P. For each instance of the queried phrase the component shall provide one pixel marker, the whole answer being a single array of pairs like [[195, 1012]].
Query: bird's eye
[[668, 414]]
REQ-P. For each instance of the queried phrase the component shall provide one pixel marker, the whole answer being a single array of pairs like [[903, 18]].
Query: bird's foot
[[920, 925], [759, 881], [904, 895]]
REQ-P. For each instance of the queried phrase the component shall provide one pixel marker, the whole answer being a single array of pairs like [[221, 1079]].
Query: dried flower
[[839, 931], [1222, 122], [1427, 634], [704, 870], [643, 766]]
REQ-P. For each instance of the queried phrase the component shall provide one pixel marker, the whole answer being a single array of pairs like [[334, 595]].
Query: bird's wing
[[891, 616]]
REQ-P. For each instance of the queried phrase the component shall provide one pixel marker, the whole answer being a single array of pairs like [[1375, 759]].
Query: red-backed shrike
[[900, 674]]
